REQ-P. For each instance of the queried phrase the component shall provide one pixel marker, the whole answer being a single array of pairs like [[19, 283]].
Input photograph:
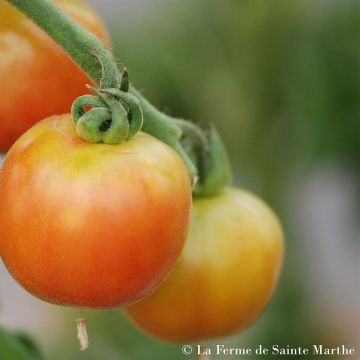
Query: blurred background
[[281, 81]]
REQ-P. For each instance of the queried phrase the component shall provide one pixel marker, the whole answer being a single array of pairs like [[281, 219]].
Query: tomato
[[38, 79], [225, 275], [91, 225]]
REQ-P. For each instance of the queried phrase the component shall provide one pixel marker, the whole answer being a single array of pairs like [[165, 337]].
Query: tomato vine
[[118, 111]]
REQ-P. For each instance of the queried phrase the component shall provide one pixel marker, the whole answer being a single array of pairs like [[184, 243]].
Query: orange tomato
[[225, 275], [91, 225], [38, 79]]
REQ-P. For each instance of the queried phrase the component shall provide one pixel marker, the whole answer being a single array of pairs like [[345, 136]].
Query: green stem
[[160, 126], [83, 47]]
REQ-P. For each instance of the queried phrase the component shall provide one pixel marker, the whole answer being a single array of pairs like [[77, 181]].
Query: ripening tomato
[[91, 225], [38, 79], [225, 275]]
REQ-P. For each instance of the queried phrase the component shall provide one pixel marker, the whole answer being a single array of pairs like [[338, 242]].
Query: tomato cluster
[[101, 225], [79, 222]]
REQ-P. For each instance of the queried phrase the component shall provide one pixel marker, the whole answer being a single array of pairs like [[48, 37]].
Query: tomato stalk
[[85, 48], [118, 111]]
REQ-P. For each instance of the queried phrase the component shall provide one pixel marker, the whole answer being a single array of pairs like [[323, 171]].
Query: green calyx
[[114, 115], [214, 166], [117, 111]]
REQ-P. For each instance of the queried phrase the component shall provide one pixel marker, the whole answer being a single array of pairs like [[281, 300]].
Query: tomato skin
[[91, 225], [225, 276], [38, 79]]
